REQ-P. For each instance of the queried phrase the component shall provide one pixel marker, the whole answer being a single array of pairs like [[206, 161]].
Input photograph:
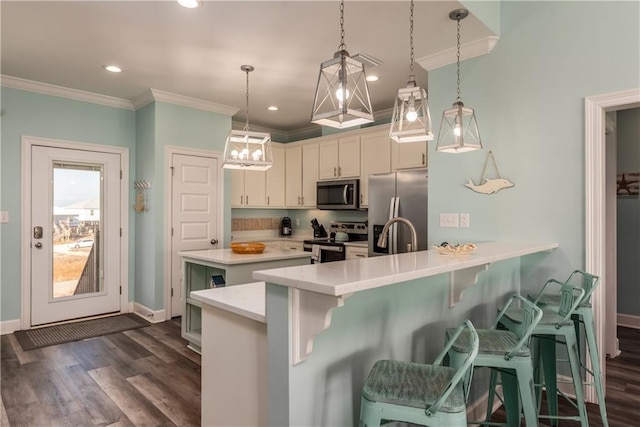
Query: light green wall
[[628, 215], [31, 114], [161, 125], [528, 94]]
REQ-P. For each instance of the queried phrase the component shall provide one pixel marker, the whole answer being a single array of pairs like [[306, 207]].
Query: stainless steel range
[[329, 249]]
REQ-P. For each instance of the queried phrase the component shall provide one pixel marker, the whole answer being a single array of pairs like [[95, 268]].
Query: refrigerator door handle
[[392, 204], [396, 210]]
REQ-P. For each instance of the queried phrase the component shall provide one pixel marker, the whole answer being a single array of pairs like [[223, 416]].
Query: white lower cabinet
[[353, 252]]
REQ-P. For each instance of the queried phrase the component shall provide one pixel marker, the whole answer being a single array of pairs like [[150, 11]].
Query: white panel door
[[194, 216], [75, 234]]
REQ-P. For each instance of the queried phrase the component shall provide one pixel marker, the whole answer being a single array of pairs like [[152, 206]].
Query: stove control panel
[[349, 227]]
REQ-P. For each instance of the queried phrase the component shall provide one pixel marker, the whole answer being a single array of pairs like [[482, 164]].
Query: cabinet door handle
[[246, 198], [299, 201], [335, 171], [339, 170], [361, 198], [241, 197], [302, 201], [268, 200], [424, 159]]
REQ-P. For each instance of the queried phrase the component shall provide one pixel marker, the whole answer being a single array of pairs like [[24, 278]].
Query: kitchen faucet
[[382, 240]]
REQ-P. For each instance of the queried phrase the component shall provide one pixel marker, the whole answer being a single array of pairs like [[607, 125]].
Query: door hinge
[[172, 231], [120, 174], [120, 290], [120, 232], [171, 292], [171, 167]]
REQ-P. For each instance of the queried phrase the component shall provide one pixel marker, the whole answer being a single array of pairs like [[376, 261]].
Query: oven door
[[326, 253]]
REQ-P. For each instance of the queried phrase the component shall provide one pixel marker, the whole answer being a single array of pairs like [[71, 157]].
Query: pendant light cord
[[246, 126], [458, 61], [342, 45], [411, 39]]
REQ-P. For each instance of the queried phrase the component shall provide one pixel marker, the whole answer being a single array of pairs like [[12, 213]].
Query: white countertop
[[228, 257], [246, 300], [346, 277]]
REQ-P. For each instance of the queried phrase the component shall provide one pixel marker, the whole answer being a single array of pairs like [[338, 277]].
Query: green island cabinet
[[198, 268]]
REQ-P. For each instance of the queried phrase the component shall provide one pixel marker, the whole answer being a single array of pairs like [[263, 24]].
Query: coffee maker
[[285, 226]]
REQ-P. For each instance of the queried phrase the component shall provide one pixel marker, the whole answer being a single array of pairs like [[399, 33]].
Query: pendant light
[[411, 120], [458, 128], [342, 95], [244, 149]]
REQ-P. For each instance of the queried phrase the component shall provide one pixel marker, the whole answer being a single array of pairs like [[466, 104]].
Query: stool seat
[[412, 384], [491, 341]]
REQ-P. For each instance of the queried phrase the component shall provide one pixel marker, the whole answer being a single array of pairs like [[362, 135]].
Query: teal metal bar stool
[[555, 323], [429, 395], [583, 315], [505, 352]]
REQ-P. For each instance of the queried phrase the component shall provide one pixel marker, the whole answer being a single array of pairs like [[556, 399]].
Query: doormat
[[59, 334]]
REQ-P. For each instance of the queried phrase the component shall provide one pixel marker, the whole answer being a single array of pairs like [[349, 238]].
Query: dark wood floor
[[147, 376], [623, 388], [141, 377]]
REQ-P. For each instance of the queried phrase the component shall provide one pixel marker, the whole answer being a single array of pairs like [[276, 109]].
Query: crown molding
[[64, 92], [156, 95], [467, 51]]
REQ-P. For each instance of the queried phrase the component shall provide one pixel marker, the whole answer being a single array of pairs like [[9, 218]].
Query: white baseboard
[[629, 321], [9, 326], [153, 316]]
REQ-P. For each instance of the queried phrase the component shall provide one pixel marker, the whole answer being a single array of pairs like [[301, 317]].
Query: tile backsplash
[[255, 224]]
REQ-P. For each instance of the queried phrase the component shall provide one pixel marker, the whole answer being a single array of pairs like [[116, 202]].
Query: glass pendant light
[[458, 128], [245, 149], [411, 120], [342, 95]]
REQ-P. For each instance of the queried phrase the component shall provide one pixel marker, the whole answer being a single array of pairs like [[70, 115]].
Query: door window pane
[[77, 248]]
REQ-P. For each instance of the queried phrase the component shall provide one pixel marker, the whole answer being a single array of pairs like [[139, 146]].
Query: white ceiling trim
[[467, 51], [152, 95], [64, 92]]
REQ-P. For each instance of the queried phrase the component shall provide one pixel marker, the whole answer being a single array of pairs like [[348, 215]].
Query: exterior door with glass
[[75, 234]]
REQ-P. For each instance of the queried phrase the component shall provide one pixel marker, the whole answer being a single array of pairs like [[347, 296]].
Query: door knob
[[38, 245], [214, 241]]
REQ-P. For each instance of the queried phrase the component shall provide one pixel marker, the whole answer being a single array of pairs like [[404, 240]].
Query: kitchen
[[543, 161]]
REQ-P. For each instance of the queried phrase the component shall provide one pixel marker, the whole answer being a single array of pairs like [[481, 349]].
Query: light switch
[[449, 220], [4, 217], [464, 220]]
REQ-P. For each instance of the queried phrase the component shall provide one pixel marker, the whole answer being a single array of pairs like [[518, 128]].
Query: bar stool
[[556, 322], [505, 352], [429, 395], [583, 316]]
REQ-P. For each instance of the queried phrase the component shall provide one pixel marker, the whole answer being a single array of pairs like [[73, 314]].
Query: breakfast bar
[[328, 323]]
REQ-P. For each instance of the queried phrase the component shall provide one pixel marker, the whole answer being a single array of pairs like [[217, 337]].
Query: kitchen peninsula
[[394, 307], [201, 268]]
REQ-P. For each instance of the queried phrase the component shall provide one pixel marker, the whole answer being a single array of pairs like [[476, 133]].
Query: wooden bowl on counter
[[248, 248]]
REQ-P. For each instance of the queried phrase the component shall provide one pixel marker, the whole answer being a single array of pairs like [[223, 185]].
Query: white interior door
[[194, 204], [75, 234]]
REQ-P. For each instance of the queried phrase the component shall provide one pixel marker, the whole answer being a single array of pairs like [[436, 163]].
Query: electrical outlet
[[449, 220], [464, 220], [297, 221], [4, 217]]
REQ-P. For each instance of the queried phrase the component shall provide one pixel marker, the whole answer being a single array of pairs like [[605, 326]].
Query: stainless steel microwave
[[338, 195]]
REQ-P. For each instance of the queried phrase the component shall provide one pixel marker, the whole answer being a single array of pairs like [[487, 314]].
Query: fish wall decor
[[489, 186]]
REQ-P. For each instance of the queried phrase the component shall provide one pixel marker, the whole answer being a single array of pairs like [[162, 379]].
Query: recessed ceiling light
[[272, 108], [189, 3], [112, 68], [372, 78]]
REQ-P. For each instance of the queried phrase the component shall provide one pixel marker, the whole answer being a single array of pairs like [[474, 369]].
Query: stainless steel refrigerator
[[396, 194]]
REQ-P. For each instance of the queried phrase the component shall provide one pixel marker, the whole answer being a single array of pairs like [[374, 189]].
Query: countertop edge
[[428, 263], [247, 300]]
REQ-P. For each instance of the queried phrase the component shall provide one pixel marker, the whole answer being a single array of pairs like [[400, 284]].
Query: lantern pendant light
[[458, 128], [342, 95], [411, 120], [245, 149]]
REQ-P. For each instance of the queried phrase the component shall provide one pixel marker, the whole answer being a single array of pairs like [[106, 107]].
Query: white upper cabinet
[[247, 189], [408, 155], [339, 158], [275, 178], [301, 175], [375, 158]]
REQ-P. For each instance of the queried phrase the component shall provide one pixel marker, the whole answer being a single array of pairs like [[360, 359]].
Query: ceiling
[[198, 52]]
